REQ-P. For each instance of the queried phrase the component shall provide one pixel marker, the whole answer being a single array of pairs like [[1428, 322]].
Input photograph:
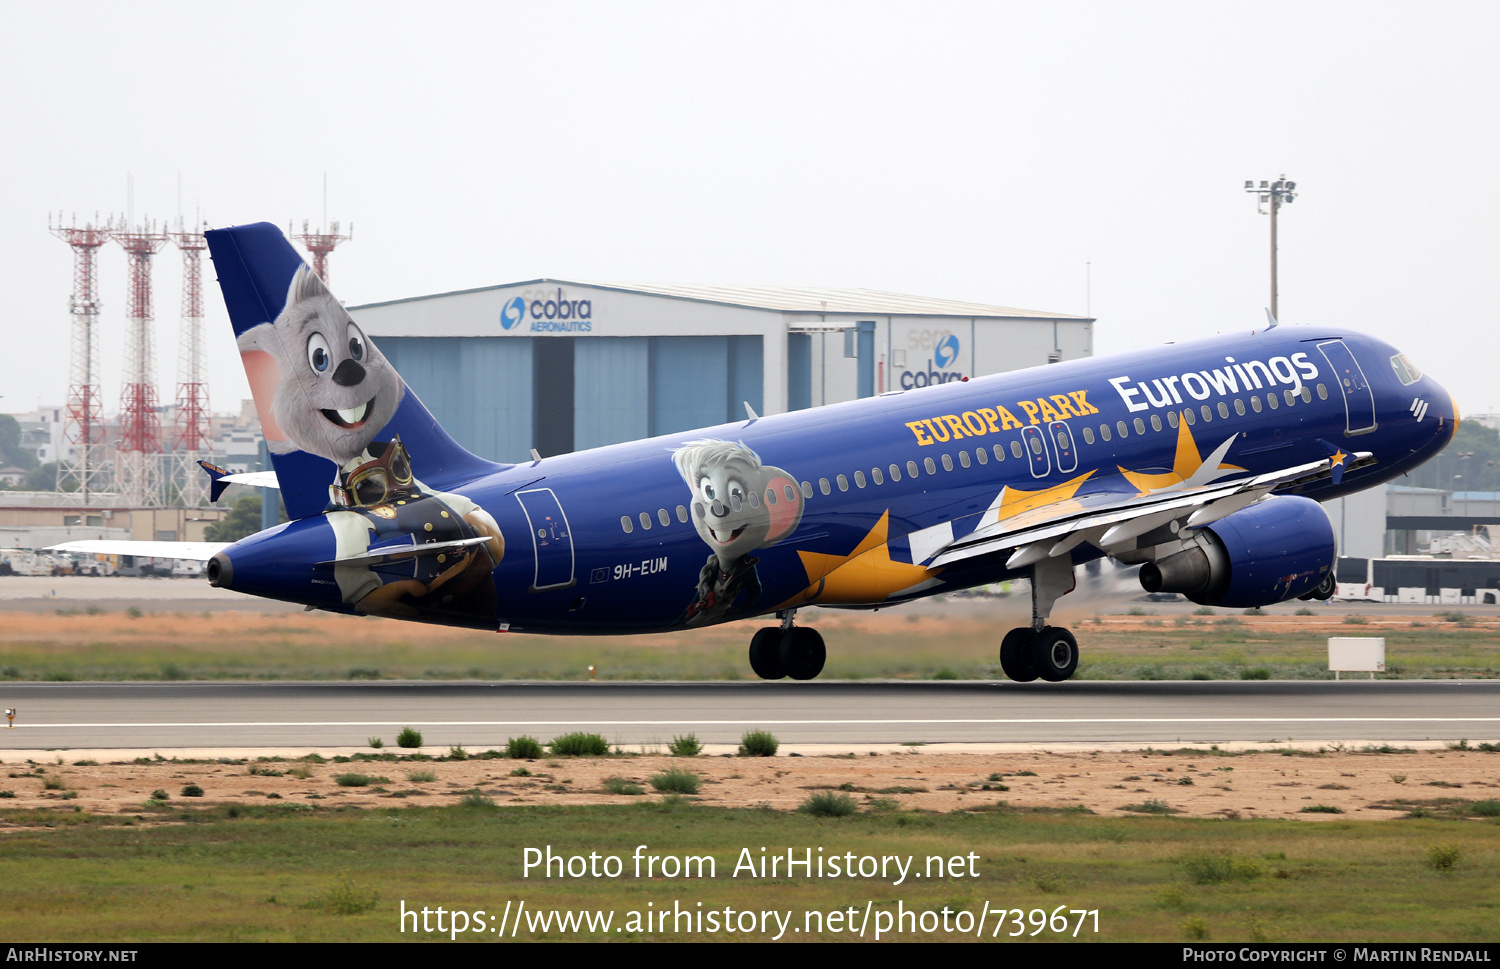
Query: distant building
[[561, 365]]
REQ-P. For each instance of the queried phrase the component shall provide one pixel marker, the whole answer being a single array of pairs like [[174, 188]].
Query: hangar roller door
[[478, 388], [699, 381], [611, 390]]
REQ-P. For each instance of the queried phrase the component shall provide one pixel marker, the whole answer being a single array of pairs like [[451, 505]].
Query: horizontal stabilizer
[[219, 479], [189, 551]]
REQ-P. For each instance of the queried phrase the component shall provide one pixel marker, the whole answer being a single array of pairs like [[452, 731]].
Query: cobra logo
[[946, 351], [513, 313]]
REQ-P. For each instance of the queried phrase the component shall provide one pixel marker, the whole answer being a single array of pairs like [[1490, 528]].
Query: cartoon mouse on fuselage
[[738, 505]]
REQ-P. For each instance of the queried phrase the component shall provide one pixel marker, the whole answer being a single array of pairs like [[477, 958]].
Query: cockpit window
[[1406, 371]]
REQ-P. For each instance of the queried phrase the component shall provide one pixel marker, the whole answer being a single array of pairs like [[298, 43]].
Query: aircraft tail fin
[[323, 391]]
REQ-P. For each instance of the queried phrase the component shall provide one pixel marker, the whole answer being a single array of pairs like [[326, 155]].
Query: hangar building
[[561, 365]]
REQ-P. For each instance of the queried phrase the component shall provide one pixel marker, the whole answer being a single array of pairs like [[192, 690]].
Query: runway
[[475, 714]]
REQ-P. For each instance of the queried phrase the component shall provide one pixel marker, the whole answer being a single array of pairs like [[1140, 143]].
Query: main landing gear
[[1040, 650], [786, 650]]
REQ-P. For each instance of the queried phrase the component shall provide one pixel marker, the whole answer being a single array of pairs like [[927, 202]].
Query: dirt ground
[[1196, 784]]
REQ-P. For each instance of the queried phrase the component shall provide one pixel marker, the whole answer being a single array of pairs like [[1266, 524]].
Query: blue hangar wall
[[501, 396]]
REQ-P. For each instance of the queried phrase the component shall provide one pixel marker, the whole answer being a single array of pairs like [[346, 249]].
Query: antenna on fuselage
[[1271, 318], [750, 412]]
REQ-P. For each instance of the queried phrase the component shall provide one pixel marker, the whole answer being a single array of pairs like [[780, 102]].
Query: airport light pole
[[1274, 194]]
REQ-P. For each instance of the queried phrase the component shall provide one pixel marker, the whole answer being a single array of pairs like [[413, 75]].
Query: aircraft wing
[[191, 551], [1113, 521]]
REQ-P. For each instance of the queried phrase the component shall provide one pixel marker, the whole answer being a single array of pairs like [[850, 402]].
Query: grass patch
[[676, 781], [758, 743], [359, 780], [1215, 869], [1322, 809], [685, 746], [409, 738], [828, 804], [256, 877], [1152, 806], [580, 745], [523, 748], [621, 785]]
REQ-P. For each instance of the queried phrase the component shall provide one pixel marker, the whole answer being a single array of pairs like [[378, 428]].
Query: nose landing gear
[[787, 651]]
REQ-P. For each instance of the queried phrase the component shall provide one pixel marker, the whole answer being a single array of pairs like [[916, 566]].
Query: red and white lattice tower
[[138, 453], [192, 432], [84, 433], [320, 244]]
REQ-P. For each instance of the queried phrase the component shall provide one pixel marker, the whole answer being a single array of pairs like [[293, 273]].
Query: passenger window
[[963, 458], [1306, 394], [843, 483], [1155, 422], [1140, 426], [1223, 409], [770, 496], [911, 468], [646, 520], [823, 486], [1122, 430], [1291, 397], [879, 478], [1036, 445], [625, 524], [947, 463], [1239, 407], [1088, 435], [754, 500], [663, 517], [982, 455], [1190, 417], [1015, 448], [806, 490], [859, 479], [1208, 415], [1104, 432], [1322, 392], [1172, 418], [1273, 400], [932, 468], [682, 514], [1255, 404]]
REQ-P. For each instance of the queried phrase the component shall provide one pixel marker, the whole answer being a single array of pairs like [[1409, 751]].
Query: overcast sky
[[985, 152]]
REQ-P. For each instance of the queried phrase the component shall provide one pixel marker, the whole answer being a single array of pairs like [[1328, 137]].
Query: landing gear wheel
[[765, 653], [1015, 655], [802, 653], [1325, 589], [1054, 654]]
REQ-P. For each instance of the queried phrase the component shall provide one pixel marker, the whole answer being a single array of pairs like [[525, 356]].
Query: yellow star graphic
[[1022, 509], [867, 574], [1187, 462], [1338, 458]]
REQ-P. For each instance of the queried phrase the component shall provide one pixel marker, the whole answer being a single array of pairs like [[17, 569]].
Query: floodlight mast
[[1275, 194]]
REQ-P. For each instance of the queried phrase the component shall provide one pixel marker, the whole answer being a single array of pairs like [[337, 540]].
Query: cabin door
[[550, 539], [1359, 400]]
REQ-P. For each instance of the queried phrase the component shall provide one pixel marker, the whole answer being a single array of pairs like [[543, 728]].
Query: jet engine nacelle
[[1277, 549]]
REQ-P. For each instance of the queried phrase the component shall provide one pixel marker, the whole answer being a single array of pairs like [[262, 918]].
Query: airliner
[[1201, 462]]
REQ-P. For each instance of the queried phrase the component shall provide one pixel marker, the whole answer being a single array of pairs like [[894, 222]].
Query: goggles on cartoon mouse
[[377, 480]]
